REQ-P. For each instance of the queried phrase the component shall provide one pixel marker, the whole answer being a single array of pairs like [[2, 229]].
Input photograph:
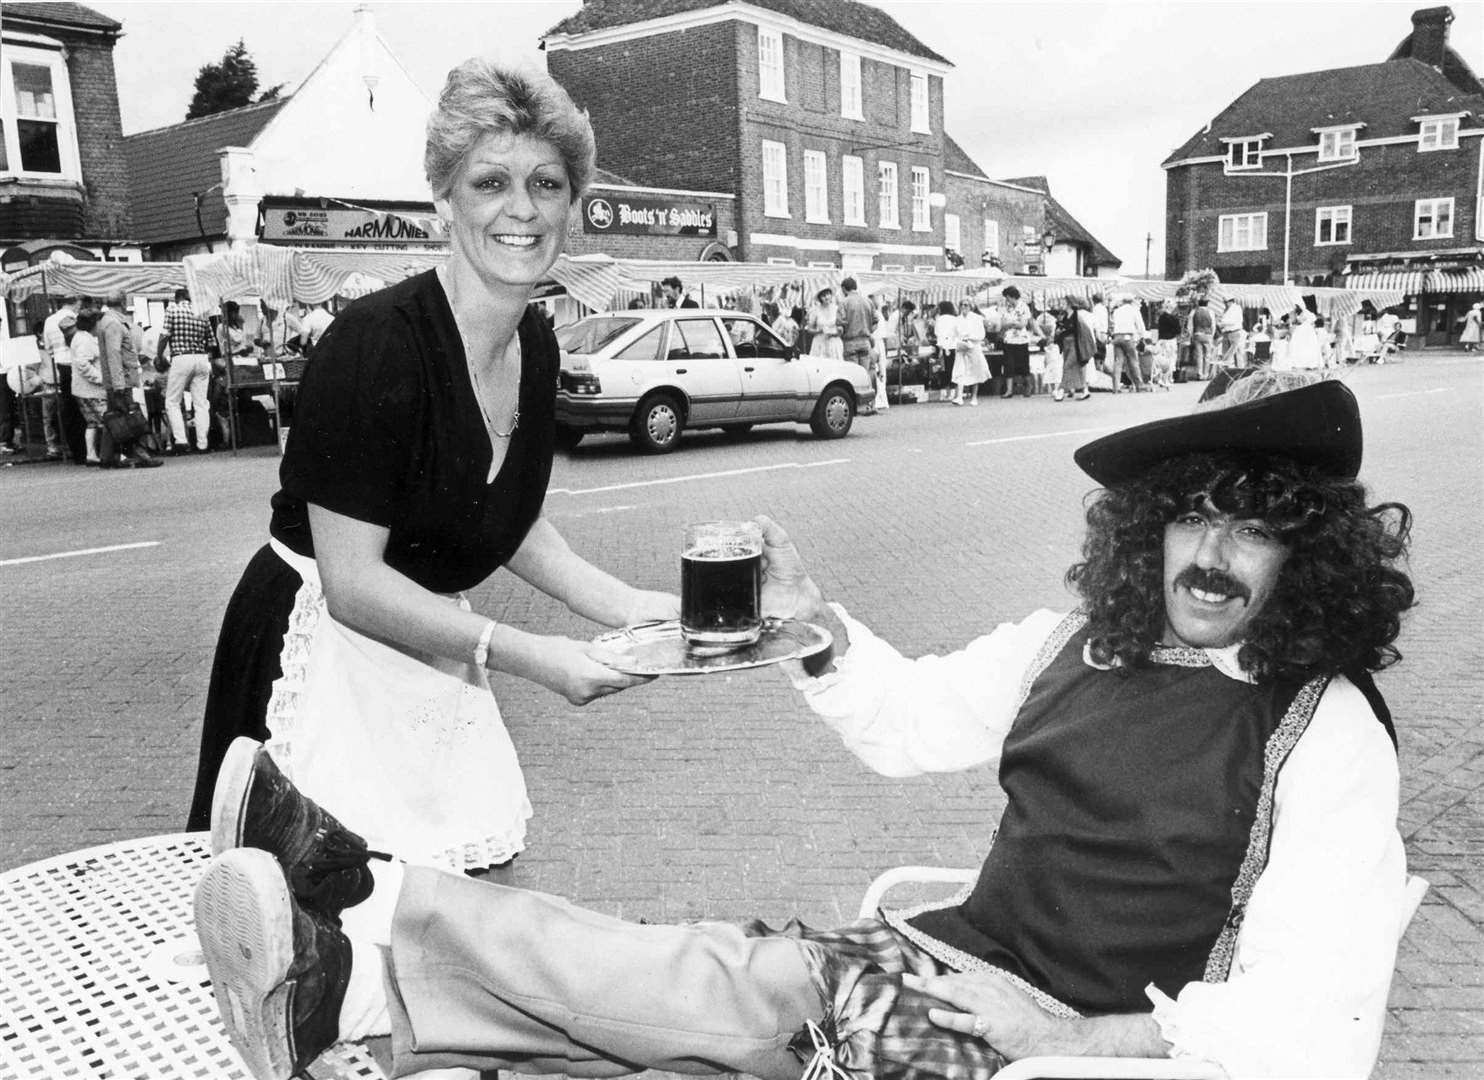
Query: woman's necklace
[[479, 394]]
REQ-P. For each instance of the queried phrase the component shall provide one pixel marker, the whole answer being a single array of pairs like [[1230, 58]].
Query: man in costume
[[1198, 855]]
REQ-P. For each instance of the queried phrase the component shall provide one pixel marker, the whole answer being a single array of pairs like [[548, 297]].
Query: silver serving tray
[[656, 648]]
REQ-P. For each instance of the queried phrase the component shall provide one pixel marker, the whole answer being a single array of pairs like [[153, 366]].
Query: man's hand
[[788, 591], [1010, 1020]]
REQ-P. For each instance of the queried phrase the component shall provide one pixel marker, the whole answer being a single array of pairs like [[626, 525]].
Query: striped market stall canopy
[[280, 275], [95, 279], [1469, 279], [1409, 282], [600, 282]]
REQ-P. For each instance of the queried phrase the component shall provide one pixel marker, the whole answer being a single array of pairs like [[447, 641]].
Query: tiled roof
[[1455, 69], [1382, 96], [1066, 227], [1039, 183], [60, 15], [847, 17], [955, 159], [168, 165]]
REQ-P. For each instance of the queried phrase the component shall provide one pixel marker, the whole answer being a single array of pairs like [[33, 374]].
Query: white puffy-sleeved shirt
[[1307, 992]]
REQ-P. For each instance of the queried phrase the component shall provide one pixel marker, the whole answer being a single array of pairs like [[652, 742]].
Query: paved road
[[722, 797]]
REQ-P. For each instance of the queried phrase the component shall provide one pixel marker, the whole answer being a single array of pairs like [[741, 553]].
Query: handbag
[[126, 425]]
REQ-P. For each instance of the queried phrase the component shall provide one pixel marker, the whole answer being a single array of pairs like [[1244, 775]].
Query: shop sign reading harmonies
[[335, 225], [646, 216]]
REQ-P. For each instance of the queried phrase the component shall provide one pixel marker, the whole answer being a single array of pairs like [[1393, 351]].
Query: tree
[[228, 84]]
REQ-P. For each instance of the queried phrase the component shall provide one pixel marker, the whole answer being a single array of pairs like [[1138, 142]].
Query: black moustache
[[1213, 581]]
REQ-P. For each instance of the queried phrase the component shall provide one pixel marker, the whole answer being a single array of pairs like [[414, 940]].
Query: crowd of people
[[95, 363]]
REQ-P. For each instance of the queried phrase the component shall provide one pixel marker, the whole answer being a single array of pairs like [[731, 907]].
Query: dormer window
[[1245, 152], [1338, 143], [1437, 132]]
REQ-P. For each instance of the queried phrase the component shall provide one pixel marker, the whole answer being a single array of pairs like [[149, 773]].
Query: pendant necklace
[[479, 395]]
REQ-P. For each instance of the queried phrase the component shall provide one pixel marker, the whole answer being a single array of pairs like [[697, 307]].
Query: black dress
[[387, 431]]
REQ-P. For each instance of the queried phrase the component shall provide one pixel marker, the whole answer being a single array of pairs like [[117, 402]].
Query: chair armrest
[[902, 875], [1111, 1068]]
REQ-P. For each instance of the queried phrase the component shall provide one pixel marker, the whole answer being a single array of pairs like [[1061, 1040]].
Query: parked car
[[656, 373]]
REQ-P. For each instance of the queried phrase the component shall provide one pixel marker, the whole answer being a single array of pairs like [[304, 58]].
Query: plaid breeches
[[879, 1028]]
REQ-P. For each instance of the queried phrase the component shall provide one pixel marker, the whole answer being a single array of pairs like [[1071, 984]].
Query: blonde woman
[[417, 467]]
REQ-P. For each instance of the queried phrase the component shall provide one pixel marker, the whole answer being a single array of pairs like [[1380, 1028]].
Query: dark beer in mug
[[721, 586]]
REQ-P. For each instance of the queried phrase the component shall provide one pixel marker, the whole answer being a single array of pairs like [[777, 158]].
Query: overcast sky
[[1093, 95]]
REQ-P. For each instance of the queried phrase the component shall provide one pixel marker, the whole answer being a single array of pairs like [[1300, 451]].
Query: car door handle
[[680, 371], [747, 369]]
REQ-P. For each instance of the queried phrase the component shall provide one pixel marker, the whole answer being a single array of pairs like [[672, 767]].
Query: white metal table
[[101, 973]]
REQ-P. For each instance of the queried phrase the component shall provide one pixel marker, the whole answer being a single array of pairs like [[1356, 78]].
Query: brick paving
[[722, 797]]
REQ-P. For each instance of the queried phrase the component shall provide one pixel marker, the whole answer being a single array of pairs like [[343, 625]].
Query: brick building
[[829, 141], [64, 183], [1332, 177], [1015, 223]]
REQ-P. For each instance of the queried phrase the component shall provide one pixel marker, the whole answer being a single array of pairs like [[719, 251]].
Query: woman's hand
[[788, 591], [577, 670]]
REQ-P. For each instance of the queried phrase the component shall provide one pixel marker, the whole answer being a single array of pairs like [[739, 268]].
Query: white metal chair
[[1084, 1068]]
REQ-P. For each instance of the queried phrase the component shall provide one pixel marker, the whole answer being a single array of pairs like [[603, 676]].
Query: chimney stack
[[1430, 35]]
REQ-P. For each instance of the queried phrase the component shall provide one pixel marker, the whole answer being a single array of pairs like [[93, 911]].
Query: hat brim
[[1317, 425]]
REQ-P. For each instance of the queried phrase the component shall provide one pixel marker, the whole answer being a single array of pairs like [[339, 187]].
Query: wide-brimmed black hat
[[1318, 424]]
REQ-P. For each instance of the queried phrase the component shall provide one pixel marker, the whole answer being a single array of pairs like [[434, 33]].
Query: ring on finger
[[980, 1028]]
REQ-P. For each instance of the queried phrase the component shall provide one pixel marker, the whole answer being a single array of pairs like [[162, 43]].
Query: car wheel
[[834, 413], [735, 431], [656, 425], [568, 437]]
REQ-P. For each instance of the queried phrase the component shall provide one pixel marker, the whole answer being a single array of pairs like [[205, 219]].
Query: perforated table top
[[101, 973]]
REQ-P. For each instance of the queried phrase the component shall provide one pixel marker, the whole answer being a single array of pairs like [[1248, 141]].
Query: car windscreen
[[587, 336]]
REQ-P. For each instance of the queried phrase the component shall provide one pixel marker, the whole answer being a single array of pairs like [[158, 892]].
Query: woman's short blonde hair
[[480, 97]]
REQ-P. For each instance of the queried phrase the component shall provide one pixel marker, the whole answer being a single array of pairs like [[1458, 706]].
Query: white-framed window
[[893, 268], [919, 99], [992, 236], [775, 179], [922, 218], [38, 136], [1433, 219], [924, 268], [779, 260], [821, 265], [816, 188], [952, 233], [853, 189], [1337, 144], [1242, 232], [1438, 133], [1332, 225], [1244, 154], [770, 64], [886, 194], [852, 106]]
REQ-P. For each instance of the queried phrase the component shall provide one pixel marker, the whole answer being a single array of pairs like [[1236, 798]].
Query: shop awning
[[1470, 279], [97, 279], [1407, 282]]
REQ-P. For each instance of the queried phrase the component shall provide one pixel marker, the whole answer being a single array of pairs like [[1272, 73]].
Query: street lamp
[[1288, 174]]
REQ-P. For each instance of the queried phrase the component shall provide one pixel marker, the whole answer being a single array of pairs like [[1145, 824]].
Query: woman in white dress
[[824, 327], [969, 366], [1303, 352]]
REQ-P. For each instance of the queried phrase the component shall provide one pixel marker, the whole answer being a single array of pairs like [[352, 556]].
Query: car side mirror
[[793, 352]]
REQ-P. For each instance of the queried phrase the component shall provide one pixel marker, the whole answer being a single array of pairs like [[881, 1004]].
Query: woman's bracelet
[[482, 650]]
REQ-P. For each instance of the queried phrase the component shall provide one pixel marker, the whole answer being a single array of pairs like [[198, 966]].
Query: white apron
[[410, 751]]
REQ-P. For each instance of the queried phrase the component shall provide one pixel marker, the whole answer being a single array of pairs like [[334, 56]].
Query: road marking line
[[1043, 435], [695, 476], [1412, 393], [83, 551]]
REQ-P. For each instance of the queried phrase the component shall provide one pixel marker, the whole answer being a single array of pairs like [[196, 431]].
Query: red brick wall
[[1381, 190], [974, 201]]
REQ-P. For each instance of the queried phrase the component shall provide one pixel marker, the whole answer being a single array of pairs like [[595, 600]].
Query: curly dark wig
[[1339, 597]]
